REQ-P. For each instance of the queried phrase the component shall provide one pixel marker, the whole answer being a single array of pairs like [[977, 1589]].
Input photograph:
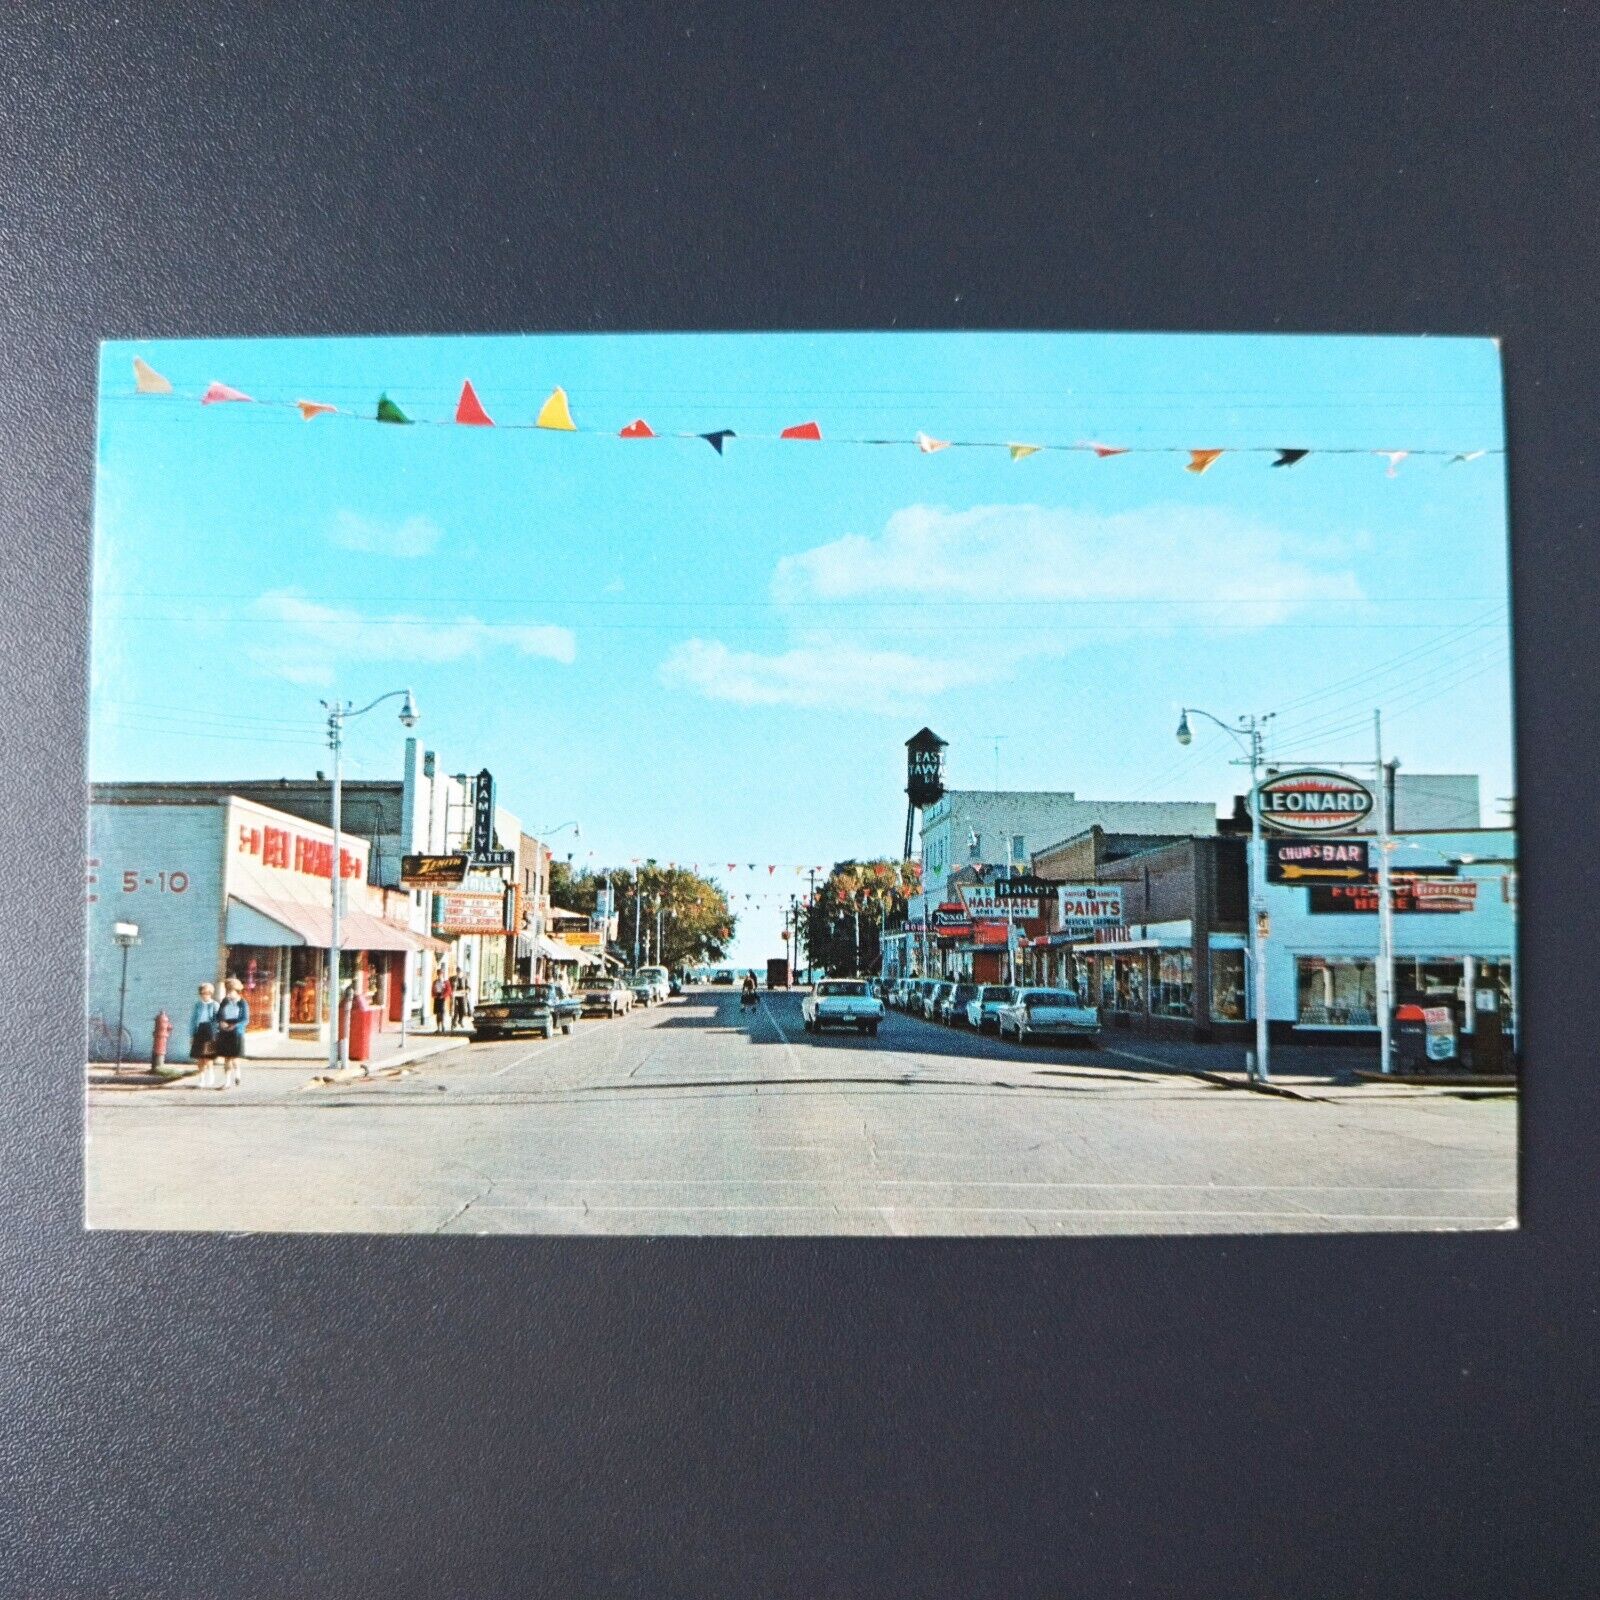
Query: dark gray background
[[353, 1416]]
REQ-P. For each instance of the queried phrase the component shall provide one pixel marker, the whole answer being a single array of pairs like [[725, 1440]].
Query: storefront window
[[1336, 994], [257, 968], [1174, 993], [308, 994], [1132, 983], [1227, 985]]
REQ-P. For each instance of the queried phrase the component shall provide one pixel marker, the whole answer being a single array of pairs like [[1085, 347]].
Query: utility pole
[[1385, 905]]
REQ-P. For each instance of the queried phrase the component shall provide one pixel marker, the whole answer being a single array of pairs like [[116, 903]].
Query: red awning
[[263, 921]]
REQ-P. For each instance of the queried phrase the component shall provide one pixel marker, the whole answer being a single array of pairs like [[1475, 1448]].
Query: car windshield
[[1053, 997], [597, 983], [842, 988], [998, 994], [526, 991]]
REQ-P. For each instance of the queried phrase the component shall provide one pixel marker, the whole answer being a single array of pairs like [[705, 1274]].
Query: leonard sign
[[1314, 801]]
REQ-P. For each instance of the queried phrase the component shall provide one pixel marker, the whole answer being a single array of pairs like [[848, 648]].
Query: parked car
[[661, 983], [842, 1003], [525, 1008], [605, 997], [723, 975], [643, 988], [933, 997], [953, 1007], [983, 1009], [1047, 1014], [894, 994]]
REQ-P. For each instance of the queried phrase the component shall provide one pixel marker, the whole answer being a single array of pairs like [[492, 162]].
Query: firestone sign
[[1314, 801]]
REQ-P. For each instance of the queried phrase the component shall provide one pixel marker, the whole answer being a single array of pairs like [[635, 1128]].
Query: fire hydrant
[[160, 1033]]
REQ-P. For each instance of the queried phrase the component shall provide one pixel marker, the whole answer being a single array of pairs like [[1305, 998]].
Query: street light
[[340, 712], [1247, 734], [126, 936]]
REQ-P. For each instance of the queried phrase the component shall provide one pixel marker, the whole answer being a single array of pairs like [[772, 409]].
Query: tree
[[696, 921], [844, 920]]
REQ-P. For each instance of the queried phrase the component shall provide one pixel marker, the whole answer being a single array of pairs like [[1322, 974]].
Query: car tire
[[872, 1030], [810, 1026], [548, 1031], [566, 1027]]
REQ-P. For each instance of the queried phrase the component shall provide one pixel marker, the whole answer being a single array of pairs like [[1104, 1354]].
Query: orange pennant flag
[[146, 380], [1201, 460], [556, 414], [928, 445], [313, 408], [469, 409], [1020, 451]]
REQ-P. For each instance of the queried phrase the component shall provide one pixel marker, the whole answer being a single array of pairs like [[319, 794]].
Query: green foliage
[[853, 903], [697, 923]]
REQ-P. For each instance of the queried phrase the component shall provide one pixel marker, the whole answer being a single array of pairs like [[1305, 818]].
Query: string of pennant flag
[[555, 416]]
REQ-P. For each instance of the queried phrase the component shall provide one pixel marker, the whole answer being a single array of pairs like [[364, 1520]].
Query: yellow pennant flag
[[554, 413], [1019, 451], [1199, 460], [146, 380]]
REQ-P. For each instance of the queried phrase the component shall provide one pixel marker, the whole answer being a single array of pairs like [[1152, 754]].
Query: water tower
[[924, 777]]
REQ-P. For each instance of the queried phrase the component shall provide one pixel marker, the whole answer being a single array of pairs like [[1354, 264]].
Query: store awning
[[556, 950], [1127, 946], [261, 921]]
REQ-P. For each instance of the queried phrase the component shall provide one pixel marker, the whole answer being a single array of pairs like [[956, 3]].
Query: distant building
[[999, 828]]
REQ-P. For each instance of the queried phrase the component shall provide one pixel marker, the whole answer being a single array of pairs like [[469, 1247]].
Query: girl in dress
[[232, 1018], [202, 1031]]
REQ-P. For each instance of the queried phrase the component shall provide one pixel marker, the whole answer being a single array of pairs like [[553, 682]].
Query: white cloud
[[414, 537], [313, 635], [1247, 570], [816, 675]]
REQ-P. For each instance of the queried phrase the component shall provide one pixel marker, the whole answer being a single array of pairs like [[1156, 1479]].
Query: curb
[[1226, 1082], [1441, 1080]]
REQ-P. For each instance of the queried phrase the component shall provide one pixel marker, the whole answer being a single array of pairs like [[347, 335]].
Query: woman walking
[[202, 1032], [232, 1018]]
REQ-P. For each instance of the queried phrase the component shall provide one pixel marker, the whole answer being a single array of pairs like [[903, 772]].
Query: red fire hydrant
[[159, 1035]]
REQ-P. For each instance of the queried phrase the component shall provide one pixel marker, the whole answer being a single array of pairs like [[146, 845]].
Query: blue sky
[[718, 659]]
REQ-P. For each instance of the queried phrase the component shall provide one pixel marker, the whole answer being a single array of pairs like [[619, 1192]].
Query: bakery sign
[[1314, 801]]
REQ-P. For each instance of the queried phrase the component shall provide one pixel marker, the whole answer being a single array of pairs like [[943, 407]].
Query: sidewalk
[[283, 1072]]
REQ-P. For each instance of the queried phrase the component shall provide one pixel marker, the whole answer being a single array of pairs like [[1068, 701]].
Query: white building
[[1000, 828]]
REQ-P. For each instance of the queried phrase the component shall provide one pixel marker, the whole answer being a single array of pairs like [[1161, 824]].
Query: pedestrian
[[461, 1004], [232, 1018], [202, 1031], [441, 1001]]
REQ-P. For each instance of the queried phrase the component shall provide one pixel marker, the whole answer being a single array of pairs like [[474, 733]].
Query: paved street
[[693, 1118]]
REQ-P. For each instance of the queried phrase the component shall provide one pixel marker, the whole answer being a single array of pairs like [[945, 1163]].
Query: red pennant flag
[[1104, 450], [771, 870], [733, 866], [469, 409], [218, 392], [802, 430], [637, 429]]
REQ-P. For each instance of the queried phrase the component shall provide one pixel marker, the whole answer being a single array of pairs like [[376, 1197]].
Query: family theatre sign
[[1313, 802]]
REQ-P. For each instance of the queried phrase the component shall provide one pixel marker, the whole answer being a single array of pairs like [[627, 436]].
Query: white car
[[659, 979], [1047, 1014], [842, 1003], [983, 1011]]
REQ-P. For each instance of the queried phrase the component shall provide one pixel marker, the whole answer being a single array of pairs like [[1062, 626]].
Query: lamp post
[[125, 935], [1247, 734], [340, 712]]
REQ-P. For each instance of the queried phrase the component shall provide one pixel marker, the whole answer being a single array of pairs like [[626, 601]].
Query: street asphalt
[[697, 1118]]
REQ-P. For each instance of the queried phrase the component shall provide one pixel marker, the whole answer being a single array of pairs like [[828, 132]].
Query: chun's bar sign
[[1309, 861], [429, 872], [1313, 801]]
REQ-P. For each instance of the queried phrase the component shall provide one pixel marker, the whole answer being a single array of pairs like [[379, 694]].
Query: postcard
[[1003, 784]]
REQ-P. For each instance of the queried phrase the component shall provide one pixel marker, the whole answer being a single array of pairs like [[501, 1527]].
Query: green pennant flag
[[388, 411]]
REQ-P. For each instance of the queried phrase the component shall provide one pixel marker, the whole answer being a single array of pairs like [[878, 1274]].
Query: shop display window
[[308, 989], [1227, 986], [1336, 994], [1132, 983], [1173, 995], [257, 968]]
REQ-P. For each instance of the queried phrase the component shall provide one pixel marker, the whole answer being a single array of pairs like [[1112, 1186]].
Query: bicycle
[[106, 1042]]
